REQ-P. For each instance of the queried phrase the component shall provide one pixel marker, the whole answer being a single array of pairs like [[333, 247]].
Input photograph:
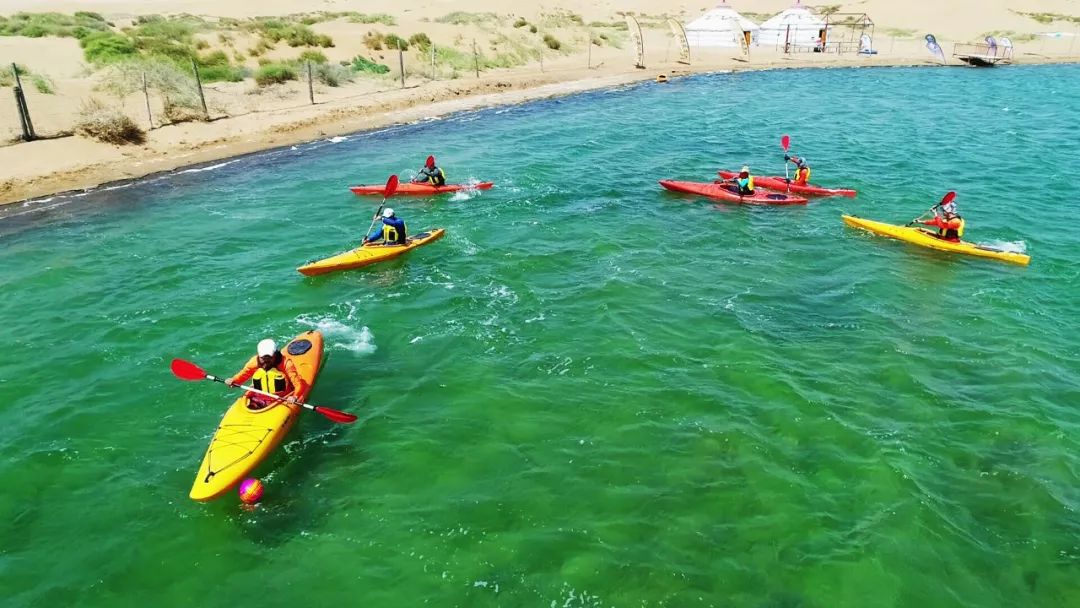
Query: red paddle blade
[[391, 186], [430, 161], [186, 370], [336, 416], [948, 198], [785, 142]]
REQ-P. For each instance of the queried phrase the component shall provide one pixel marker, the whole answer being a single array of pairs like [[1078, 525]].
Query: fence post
[[310, 86], [198, 83], [146, 95], [401, 62], [24, 110], [475, 58], [433, 62], [589, 65]]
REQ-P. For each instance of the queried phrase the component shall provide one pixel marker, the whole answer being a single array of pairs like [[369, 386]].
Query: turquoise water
[[591, 392]]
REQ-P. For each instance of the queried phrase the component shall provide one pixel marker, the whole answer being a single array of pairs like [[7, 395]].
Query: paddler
[[270, 372], [802, 170], [430, 174], [744, 182], [392, 231], [949, 223]]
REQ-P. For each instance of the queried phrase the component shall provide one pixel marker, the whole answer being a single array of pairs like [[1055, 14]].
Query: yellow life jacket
[[271, 381], [390, 235], [806, 180], [437, 181], [749, 183]]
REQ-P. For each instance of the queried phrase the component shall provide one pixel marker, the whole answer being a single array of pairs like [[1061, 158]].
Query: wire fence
[[153, 97]]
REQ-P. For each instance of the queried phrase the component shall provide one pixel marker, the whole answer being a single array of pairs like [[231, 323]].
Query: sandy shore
[[45, 167]]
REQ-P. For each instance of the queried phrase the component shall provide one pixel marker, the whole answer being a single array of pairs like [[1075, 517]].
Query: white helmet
[[388, 212], [267, 348]]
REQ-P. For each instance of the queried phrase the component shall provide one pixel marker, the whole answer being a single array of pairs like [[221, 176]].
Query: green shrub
[[202, 45], [465, 18], [215, 58], [260, 47], [394, 42], [324, 41], [88, 16], [43, 84], [312, 56], [552, 42], [363, 64], [420, 40], [275, 73], [301, 35], [7, 79], [36, 25], [106, 47], [222, 73], [521, 22], [332, 75], [532, 29], [562, 19], [373, 18]]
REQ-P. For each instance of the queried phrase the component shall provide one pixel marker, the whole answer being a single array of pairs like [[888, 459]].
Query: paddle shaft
[[252, 389]]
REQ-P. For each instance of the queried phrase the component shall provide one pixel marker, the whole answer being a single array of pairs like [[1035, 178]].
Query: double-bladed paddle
[[186, 370]]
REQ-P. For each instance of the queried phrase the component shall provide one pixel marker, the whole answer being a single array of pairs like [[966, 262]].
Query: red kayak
[[780, 185], [419, 189], [728, 192]]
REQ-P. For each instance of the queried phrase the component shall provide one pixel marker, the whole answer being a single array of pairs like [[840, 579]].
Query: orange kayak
[[418, 189], [245, 437]]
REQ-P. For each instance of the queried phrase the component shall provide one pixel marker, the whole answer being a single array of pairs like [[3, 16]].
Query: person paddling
[[949, 223], [270, 372], [430, 174], [392, 231], [802, 169], [744, 183]]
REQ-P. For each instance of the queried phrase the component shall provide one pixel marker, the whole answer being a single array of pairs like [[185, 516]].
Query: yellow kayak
[[924, 238], [245, 437], [369, 254]]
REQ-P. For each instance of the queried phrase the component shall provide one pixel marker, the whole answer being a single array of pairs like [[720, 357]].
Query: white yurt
[[719, 27], [796, 26]]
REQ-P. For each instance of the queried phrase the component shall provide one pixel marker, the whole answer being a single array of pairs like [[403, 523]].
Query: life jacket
[[391, 236], [436, 176], [272, 380], [746, 185], [954, 231], [802, 175]]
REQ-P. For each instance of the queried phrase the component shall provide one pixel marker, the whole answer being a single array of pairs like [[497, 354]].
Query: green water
[[591, 392]]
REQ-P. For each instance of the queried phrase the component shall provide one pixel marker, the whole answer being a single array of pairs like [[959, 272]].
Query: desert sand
[[248, 118]]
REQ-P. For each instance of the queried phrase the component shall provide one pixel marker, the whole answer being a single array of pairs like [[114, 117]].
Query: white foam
[[209, 168], [1009, 246], [342, 335], [337, 140]]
